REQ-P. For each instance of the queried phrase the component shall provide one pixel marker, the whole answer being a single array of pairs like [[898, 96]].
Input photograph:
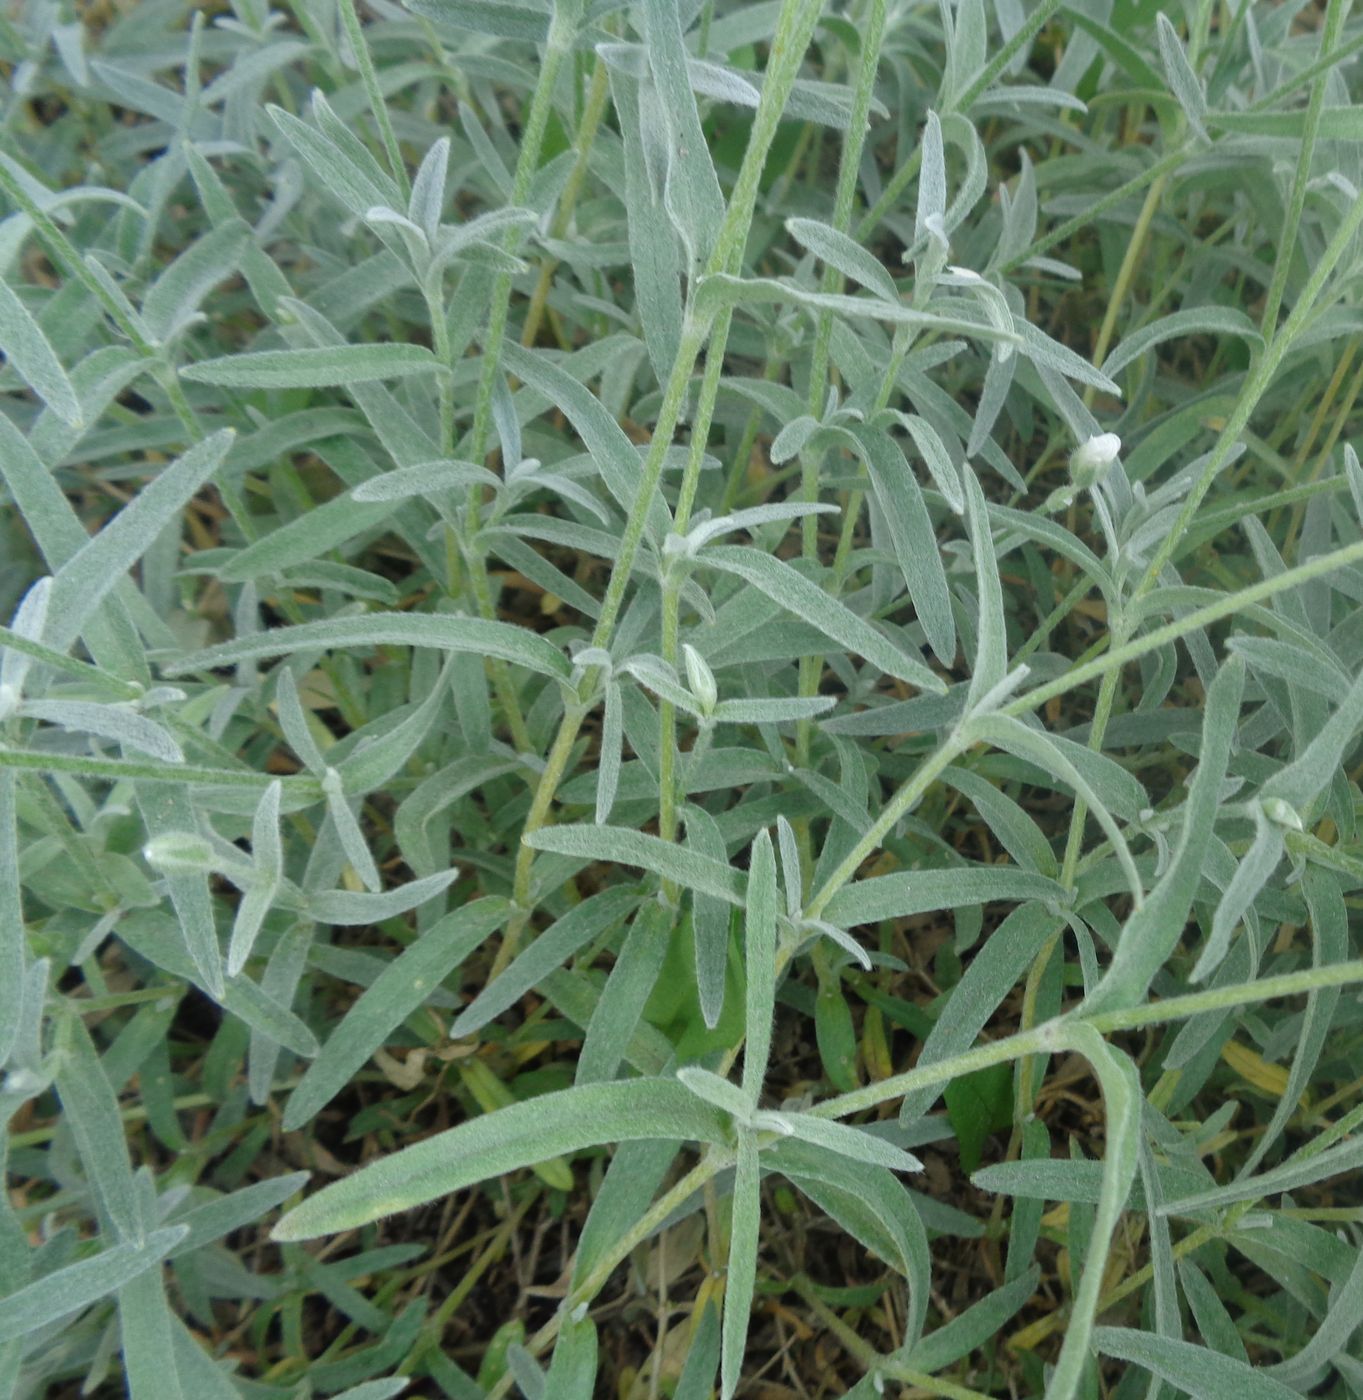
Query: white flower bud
[[701, 679], [1282, 813], [1091, 458]]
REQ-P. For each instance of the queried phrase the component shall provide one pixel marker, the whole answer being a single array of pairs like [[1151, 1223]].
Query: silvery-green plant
[[638, 605]]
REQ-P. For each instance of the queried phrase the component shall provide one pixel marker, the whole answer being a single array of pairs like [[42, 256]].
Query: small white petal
[[1098, 451]]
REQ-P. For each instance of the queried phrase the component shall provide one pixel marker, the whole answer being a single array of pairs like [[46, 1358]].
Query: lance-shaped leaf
[[626, 993], [572, 1372], [348, 174], [578, 927], [440, 631], [1346, 1156], [679, 864], [915, 542], [615, 455], [30, 354], [90, 1107], [910, 892], [857, 1146], [76, 1286], [402, 986], [993, 972], [313, 367], [760, 959], [1251, 875], [173, 300], [691, 192], [1193, 1369], [1154, 930], [709, 917], [1183, 82], [122, 725], [520, 1135], [1201, 320], [655, 248], [1013, 736], [807, 601], [845, 255], [741, 1283], [87, 577], [1308, 775], [991, 646]]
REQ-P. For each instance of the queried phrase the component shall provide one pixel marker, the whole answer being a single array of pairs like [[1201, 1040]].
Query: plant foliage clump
[[687, 674]]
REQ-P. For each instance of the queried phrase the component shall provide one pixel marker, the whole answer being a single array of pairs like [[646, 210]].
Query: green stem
[[849, 167], [898, 806], [794, 27], [1224, 607], [440, 341], [673, 1199], [554, 767], [497, 670], [1254, 388], [1058, 1034], [1168, 162], [592, 113], [933, 765], [675, 576], [1287, 243], [899, 181], [370, 78], [562, 31], [1125, 275]]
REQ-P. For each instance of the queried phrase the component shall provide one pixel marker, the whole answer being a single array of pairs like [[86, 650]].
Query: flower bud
[[1091, 459], [1282, 813], [701, 679]]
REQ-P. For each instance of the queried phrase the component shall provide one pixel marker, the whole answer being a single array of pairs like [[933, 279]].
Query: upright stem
[[440, 341], [1287, 245], [674, 577], [794, 27], [671, 1200], [370, 78], [898, 806], [592, 113], [1257, 382], [811, 666], [562, 32], [980, 84]]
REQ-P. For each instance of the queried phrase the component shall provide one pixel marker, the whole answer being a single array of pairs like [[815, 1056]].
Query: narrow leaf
[[807, 601], [403, 985], [313, 367], [1154, 930], [742, 1276], [76, 1286], [32, 357], [518, 1136], [86, 578], [441, 631], [680, 864], [1204, 1374], [760, 959]]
